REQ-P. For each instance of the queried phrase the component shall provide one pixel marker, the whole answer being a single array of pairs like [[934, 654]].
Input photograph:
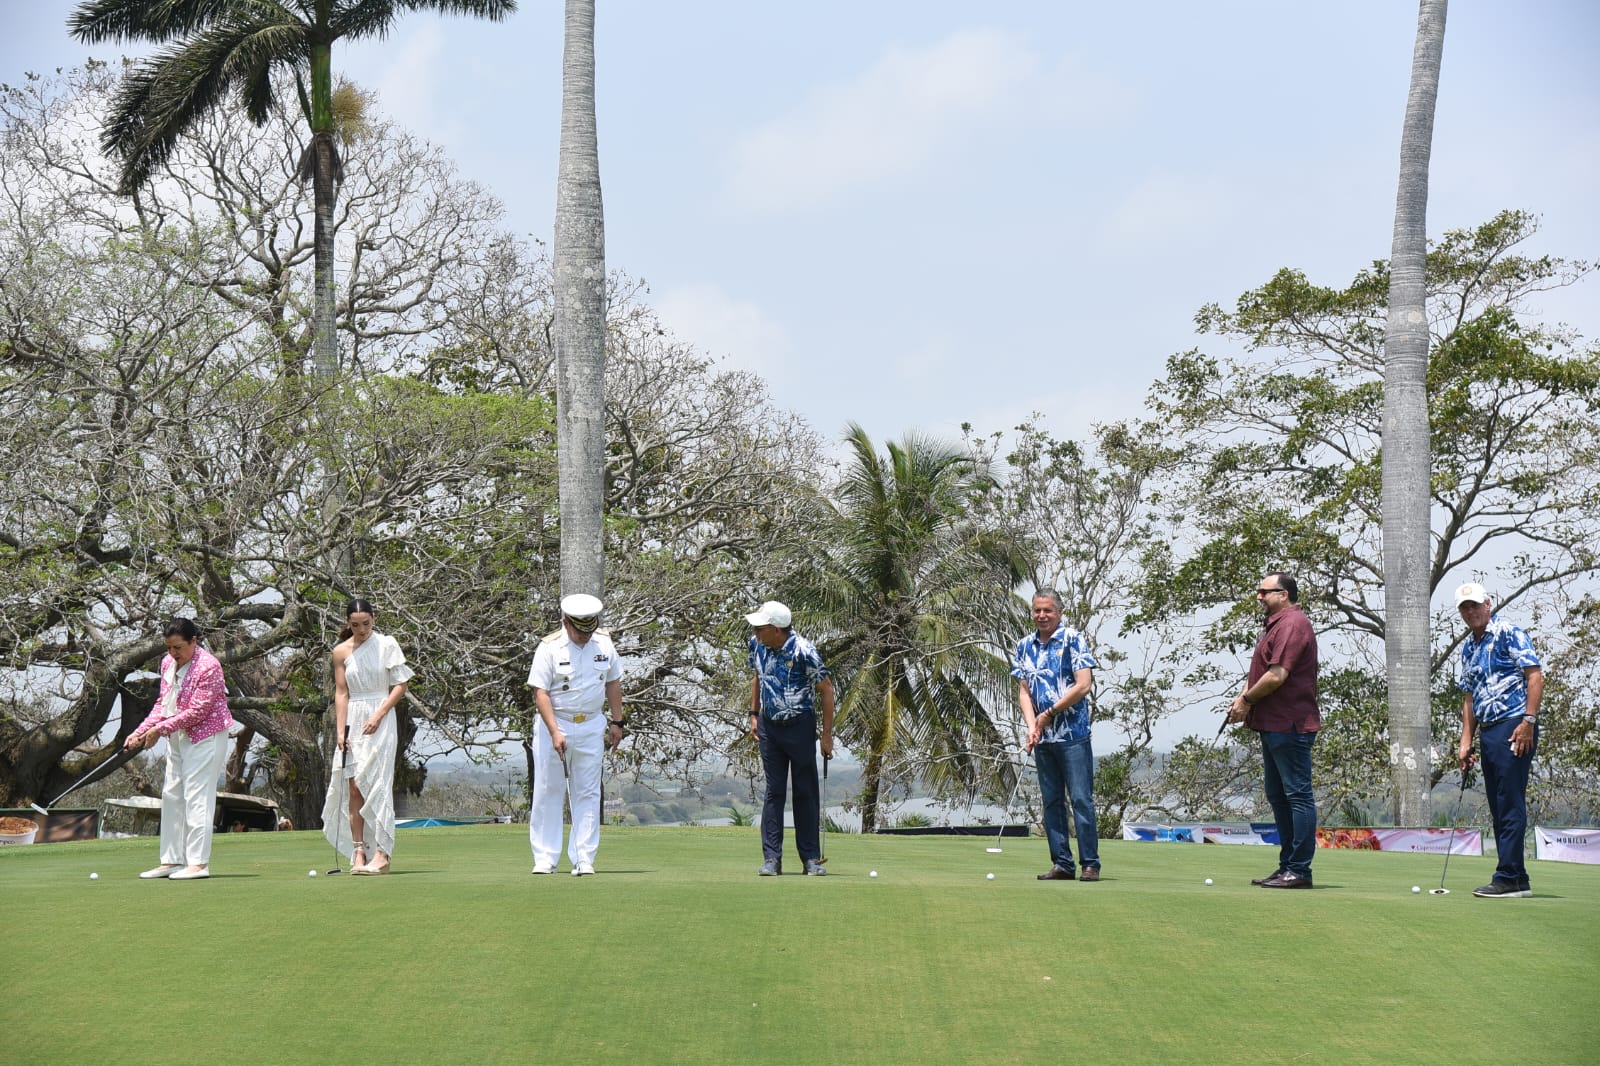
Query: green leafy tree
[[222, 48], [1284, 447], [910, 590]]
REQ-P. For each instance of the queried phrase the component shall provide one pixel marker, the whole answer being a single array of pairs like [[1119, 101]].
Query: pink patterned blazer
[[202, 700]]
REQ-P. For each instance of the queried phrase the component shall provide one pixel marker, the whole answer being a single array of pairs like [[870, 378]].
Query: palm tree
[[903, 590], [1407, 458], [580, 325], [218, 47]]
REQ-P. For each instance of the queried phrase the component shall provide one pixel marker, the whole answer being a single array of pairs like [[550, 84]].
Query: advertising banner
[[1437, 841], [1567, 845]]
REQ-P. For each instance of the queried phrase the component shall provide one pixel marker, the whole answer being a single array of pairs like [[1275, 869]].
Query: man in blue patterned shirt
[[790, 679], [1055, 672], [1503, 680]]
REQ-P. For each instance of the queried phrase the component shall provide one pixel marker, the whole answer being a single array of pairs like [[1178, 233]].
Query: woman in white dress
[[369, 679]]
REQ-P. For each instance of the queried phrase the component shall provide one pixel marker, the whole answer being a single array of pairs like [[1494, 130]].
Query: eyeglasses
[[1263, 592]]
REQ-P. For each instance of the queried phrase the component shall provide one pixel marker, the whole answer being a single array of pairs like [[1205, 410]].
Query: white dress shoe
[[187, 874], [582, 868], [160, 871], [543, 868]]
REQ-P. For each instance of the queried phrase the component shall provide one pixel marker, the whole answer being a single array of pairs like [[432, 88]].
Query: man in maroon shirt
[[1279, 701]]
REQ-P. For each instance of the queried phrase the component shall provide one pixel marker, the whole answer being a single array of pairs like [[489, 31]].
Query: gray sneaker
[[815, 869], [770, 868], [1504, 890]]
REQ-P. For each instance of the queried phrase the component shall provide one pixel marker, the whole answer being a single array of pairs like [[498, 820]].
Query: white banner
[[1567, 845], [1436, 841]]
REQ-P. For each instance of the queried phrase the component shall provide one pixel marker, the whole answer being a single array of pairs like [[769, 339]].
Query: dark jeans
[[1067, 768], [790, 747], [1286, 760], [1505, 781]]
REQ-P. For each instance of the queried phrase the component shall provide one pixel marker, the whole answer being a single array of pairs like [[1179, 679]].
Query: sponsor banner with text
[[1567, 845], [1437, 841]]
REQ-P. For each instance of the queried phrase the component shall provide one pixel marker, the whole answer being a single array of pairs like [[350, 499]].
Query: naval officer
[[576, 678]]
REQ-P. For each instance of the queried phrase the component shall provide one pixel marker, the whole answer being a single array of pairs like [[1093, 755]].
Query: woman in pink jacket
[[192, 713]]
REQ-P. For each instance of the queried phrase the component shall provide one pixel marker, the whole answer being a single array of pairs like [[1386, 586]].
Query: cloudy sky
[[916, 213]]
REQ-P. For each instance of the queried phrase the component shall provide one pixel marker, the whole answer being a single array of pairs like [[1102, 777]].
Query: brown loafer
[[1056, 873], [1287, 880], [1090, 873], [1264, 880]]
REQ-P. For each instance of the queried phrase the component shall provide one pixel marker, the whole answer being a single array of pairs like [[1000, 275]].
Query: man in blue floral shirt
[[790, 679], [1503, 680], [1055, 671]]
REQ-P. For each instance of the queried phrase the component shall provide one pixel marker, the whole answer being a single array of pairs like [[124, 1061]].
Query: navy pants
[[789, 748], [1286, 765], [1505, 781]]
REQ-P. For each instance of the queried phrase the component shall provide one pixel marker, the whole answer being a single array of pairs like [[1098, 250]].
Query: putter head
[[333, 871], [40, 809], [1438, 891], [994, 851]]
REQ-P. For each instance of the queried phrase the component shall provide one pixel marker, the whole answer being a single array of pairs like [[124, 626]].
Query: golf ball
[[1208, 880], [874, 873], [1416, 888], [991, 877], [94, 877], [311, 873]]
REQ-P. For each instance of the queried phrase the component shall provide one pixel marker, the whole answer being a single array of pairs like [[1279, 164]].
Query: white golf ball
[[94, 877], [311, 873], [1208, 880], [991, 877], [1416, 888], [874, 873]]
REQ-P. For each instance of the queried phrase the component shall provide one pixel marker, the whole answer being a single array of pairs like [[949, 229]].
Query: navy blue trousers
[[1505, 782], [790, 749]]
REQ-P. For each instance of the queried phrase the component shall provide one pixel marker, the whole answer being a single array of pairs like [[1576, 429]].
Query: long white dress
[[374, 667]]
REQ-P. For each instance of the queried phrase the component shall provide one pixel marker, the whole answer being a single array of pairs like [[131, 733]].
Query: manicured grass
[[677, 952]]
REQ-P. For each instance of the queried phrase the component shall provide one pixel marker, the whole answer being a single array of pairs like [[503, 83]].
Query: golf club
[[1460, 795], [822, 813], [339, 763], [997, 849], [105, 769]]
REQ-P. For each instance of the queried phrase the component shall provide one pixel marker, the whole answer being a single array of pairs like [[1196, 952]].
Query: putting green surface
[[676, 952]]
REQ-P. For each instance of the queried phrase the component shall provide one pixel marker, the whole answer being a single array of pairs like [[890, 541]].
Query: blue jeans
[[1505, 781], [791, 747], [1067, 768], [1286, 759]]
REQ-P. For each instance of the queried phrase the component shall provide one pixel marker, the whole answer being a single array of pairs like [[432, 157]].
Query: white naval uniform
[[575, 676]]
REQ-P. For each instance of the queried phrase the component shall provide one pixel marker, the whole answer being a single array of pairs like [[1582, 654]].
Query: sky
[[914, 214]]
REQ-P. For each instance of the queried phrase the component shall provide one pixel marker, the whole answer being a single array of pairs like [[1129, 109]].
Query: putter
[[344, 753], [822, 813], [1460, 795], [997, 849], [105, 769]]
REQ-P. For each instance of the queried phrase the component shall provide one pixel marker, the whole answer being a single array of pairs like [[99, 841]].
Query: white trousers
[[579, 783], [189, 797]]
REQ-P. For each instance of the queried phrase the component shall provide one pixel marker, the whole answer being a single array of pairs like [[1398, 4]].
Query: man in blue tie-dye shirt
[[1055, 671], [1503, 680]]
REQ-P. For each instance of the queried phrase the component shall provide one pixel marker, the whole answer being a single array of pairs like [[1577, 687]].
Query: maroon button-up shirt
[[1288, 641]]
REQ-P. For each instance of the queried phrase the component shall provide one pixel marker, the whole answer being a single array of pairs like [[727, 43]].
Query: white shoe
[[189, 873], [160, 871], [543, 868], [583, 868]]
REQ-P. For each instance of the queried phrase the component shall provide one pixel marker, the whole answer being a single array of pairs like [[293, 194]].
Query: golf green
[[676, 952]]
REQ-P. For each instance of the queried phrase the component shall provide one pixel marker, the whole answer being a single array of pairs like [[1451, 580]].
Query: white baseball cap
[[771, 613], [1471, 592]]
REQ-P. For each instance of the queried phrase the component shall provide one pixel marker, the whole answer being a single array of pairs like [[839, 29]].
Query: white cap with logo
[[771, 613], [1471, 592]]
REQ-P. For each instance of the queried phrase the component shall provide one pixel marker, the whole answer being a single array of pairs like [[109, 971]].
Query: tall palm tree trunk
[[1407, 455], [325, 175], [580, 326]]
